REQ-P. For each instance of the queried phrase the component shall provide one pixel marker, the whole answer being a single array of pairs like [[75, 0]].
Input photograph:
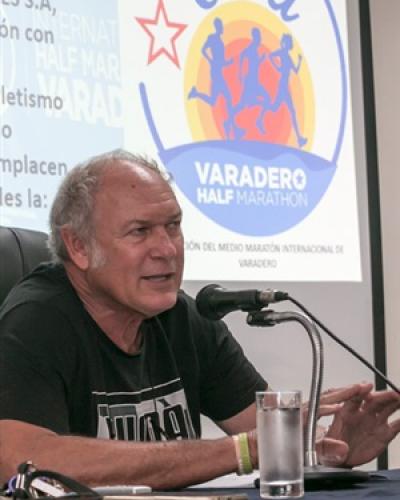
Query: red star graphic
[[163, 34]]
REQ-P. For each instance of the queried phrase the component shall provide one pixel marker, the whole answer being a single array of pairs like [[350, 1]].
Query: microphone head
[[204, 302], [214, 302]]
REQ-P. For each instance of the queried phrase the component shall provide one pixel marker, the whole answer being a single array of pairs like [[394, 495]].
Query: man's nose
[[162, 245]]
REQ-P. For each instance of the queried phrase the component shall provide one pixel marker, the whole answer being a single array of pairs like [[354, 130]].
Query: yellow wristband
[[244, 452], [240, 469]]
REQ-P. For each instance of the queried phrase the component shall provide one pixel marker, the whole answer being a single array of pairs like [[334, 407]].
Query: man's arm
[[162, 465], [244, 421], [330, 404], [360, 430]]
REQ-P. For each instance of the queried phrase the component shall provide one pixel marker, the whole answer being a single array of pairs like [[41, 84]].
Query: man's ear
[[77, 250]]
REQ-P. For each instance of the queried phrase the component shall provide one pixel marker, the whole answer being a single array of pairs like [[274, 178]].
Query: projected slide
[[60, 98], [246, 103]]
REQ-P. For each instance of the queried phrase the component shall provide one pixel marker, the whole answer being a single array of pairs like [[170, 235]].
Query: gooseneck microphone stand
[[313, 472]]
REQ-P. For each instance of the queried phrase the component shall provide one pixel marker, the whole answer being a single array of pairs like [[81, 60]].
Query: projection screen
[[256, 109]]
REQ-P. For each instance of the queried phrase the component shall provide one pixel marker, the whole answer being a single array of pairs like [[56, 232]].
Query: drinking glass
[[280, 444]]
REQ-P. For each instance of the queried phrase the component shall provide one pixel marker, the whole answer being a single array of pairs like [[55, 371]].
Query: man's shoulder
[[43, 310], [47, 285], [183, 319]]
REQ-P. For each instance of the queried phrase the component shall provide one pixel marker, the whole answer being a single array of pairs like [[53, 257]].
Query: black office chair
[[21, 250]]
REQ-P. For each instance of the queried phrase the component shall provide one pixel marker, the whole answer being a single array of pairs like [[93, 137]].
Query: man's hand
[[360, 430]]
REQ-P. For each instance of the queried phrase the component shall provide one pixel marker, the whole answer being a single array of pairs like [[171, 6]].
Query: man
[[101, 345]]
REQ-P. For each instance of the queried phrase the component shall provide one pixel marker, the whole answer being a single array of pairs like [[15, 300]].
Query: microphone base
[[319, 477]]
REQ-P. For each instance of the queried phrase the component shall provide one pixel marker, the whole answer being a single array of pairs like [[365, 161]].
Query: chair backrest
[[21, 250]]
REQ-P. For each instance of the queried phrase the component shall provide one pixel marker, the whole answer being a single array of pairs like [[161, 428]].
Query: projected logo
[[250, 107]]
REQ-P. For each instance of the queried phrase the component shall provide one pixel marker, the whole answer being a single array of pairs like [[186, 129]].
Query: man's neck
[[121, 325]]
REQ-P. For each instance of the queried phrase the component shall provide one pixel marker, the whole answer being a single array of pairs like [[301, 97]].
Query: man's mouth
[[159, 277]]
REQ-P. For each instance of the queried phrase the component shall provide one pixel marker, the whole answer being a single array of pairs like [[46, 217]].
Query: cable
[[344, 345]]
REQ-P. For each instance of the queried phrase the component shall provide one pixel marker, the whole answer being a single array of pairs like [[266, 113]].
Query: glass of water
[[280, 444]]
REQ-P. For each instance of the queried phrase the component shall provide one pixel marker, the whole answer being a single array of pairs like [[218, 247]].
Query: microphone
[[213, 301]]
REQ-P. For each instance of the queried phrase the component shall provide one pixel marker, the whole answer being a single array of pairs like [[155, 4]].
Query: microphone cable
[[343, 344]]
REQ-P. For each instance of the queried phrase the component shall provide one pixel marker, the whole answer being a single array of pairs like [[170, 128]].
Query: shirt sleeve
[[231, 380], [228, 380], [34, 367]]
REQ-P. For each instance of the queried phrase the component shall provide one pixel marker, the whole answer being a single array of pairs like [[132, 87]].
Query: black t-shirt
[[59, 370]]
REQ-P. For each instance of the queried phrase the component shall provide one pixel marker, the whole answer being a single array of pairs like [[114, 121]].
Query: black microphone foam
[[214, 302]]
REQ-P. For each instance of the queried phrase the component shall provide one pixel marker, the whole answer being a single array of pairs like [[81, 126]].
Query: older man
[[105, 367]]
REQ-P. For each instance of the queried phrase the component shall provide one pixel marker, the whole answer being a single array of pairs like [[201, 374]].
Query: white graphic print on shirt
[[151, 414]]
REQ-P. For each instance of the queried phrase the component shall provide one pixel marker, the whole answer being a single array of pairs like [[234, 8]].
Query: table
[[381, 484]]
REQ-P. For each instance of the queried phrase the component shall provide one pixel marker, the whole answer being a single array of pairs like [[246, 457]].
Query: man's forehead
[[125, 169], [127, 182]]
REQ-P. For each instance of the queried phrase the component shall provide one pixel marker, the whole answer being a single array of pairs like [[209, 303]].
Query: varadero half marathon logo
[[247, 85]]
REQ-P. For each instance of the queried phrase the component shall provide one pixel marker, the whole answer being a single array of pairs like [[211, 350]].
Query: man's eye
[[139, 231], [174, 225]]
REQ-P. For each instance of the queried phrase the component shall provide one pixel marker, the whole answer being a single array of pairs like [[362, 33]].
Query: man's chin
[[156, 306]]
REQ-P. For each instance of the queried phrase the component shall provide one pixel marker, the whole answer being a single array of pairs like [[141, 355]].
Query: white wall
[[385, 15]]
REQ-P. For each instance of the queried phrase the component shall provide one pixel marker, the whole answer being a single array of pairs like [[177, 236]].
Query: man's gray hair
[[73, 204]]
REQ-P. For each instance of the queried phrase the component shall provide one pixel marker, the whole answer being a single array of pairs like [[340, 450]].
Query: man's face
[[138, 259]]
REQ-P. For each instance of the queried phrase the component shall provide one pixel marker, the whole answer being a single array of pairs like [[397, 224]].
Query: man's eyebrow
[[143, 222], [177, 215]]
